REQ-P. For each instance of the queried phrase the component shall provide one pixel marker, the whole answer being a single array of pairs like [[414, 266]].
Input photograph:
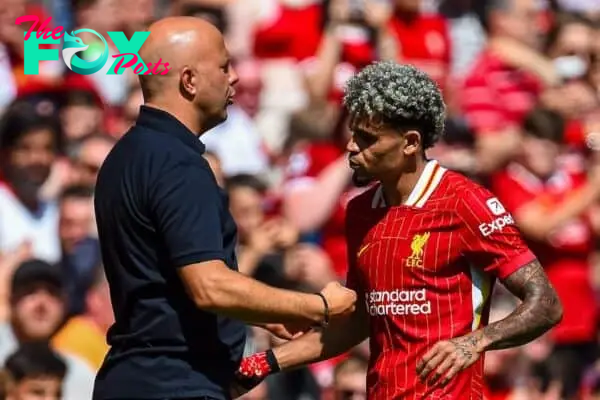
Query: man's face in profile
[[215, 92]]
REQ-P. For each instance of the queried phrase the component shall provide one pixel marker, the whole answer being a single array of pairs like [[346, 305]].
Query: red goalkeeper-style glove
[[255, 368]]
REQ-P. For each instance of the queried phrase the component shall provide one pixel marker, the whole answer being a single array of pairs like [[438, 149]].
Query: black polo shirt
[[159, 208]]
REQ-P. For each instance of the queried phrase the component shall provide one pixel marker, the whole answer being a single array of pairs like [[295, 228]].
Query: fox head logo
[[73, 45]]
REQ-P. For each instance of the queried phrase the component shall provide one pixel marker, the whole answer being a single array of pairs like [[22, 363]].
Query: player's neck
[[398, 190]]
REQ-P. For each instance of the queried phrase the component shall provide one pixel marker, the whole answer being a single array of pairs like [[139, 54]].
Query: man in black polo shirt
[[168, 239]]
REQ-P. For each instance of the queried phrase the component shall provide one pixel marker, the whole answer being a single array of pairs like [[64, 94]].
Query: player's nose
[[351, 146]]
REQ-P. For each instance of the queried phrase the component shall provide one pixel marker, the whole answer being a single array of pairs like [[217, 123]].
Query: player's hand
[[341, 300], [447, 358], [286, 331], [262, 240], [377, 13]]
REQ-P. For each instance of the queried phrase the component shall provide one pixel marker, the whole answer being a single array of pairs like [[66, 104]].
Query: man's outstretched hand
[[447, 358]]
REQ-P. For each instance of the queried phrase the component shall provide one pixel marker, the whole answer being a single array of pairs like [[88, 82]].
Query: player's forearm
[[538, 223], [322, 344], [539, 311], [232, 294], [321, 81], [387, 45]]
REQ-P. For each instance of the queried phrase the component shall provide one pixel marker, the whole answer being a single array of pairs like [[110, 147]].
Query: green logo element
[[73, 45]]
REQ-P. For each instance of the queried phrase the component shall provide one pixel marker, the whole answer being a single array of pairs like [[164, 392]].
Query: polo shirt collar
[[159, 120]]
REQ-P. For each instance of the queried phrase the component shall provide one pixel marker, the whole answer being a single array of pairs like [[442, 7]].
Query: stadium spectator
[[38, 307], [259, 236], [350, 379], [102, 16], [318, 183], [84, 336], [237, 142], [29, 144], [81, 114], [80, 249], [34, 372], [505, 81], [87, 156], [551, 206]]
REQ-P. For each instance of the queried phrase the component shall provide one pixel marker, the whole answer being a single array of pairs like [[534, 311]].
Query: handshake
[[333, 302]]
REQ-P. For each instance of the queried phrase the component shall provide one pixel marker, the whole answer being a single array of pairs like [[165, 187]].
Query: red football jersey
[[426, 270]]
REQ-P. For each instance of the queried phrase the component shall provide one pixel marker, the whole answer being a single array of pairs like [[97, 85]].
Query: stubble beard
[[360, 180]]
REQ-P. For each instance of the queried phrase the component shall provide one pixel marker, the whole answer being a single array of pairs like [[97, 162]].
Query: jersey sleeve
[[490, 239], [185, 204]]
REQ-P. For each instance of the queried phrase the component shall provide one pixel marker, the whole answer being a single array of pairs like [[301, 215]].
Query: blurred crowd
[[521, 79]]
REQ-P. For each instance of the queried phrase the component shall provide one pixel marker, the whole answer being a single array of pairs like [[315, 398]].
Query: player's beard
[[360, 180]]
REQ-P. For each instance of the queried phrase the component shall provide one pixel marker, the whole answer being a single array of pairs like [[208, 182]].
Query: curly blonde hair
[[400, 96]]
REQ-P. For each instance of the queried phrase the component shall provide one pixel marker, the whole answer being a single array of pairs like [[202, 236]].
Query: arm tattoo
[[539, 311]]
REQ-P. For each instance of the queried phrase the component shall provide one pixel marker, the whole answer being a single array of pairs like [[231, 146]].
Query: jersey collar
[[428, 181]]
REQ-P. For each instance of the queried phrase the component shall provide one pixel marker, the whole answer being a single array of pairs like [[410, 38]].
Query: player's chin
[[360, 179]]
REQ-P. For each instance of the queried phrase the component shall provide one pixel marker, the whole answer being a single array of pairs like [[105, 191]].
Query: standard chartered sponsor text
[[398, 302]]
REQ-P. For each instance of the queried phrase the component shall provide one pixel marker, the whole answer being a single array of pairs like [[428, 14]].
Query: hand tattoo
[[447, 358], [466, 346], [539, 311]]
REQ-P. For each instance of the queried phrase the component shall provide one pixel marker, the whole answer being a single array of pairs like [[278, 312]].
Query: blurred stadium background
[[522, 82]]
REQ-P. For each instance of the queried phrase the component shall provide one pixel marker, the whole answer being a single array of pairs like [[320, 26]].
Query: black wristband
[[273, 364], [325, 311]]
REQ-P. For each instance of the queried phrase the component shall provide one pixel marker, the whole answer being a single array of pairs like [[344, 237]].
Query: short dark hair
[[544, 124], [245, 181], [77, 192], [22, 118], [80, 97], [400, 96], [34, 360]]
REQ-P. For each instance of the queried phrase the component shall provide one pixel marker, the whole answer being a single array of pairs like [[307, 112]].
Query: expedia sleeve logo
[[495, 206], [496, 225]]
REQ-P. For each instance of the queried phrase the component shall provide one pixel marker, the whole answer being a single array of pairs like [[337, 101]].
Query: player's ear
[[412, 142]]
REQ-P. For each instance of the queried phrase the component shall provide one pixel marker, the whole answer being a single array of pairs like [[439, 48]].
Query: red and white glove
[[255, 368]]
